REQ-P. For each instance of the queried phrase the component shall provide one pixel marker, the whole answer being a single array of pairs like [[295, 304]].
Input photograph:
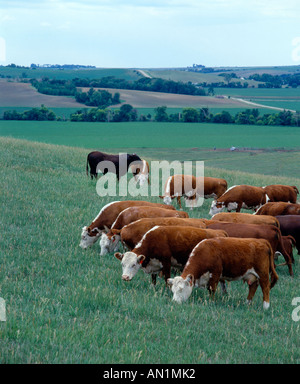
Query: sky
[[150, 33]]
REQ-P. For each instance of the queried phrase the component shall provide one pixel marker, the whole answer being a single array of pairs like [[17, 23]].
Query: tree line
[[127, 113]]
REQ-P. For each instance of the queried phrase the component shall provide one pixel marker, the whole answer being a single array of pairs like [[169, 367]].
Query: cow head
[[109, 243], [181, 288], [89, 237], [216, 208], [131, 264]]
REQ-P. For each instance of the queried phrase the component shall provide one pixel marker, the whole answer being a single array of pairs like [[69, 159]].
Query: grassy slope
[[66, 305]]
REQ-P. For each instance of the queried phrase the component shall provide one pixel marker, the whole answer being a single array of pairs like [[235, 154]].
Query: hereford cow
[[104, 162], [131, 234], [279, 209], [141, 171], [283, 193], [246, 218], [290, 225], [268, 232], [215, 260], [191, 187], [162, 248], [106, 218], [238, 197], [135, 213]]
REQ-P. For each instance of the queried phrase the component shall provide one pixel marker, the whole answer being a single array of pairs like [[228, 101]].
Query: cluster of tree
[[40, 114], [54, 87], [277, 81], [99, 98], [248, 117], [143, 84], [125, 113], [58, 66]]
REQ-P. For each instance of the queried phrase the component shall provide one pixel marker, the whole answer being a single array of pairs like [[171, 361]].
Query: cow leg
[[239, 207], [179, 201], [153, 278], [252, 290], [212, 284], [265, 287], [223, 286]]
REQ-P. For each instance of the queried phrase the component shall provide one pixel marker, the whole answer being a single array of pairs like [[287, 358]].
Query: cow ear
[[119, 256], [190, 279], [141, 258], [170, 282], [89, 230]]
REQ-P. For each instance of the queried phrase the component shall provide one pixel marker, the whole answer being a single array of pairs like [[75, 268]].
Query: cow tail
[[274, 276], [87, 166], [281, 248]]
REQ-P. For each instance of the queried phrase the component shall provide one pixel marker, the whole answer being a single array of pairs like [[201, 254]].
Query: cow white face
[[142, 179], [167, 200], [131, 264], [216, 208], [181, 288], [88, 238], [109, 245]]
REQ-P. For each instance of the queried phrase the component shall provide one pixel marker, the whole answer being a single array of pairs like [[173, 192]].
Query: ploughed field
[[67, 305]]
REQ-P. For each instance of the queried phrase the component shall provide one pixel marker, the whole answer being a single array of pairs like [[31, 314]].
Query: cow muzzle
[[126, 278]]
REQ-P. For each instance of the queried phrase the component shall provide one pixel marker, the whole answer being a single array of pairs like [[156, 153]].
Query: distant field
[[153, 135], [14, 94]]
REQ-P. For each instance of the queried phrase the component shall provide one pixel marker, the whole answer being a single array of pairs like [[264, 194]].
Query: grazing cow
[[131, 234], [107, 216], [141, 171], [105, 162], [238, 197], [135, 213], [190, 187], [290, 225], [246, 218], [268, 232], [215, 260], [283, 193], [279, 209], [162, 248]]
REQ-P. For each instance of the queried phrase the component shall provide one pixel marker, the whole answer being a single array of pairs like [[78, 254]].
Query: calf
[[279, 209], [108, 214], [135, 213], [268, 232], [290, 225], [229, 259], [246, 218], [162, 248], [132, 233], [285, 193], [191, 187], [238, 197]]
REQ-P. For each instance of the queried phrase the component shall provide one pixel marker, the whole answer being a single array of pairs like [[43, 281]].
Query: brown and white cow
[[162, 248], [267, 232], [221, 259], [191, 187], [285, 193], [246, 218], [279, 209], [141, 171], [106, 217], [131, 234], [238, 197]]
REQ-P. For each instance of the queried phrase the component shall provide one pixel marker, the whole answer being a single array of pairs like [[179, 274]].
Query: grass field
[[153, 135], [66, 305]]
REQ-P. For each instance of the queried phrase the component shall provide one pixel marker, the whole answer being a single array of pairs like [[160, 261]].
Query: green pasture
[[67, 305], [152, 135], [247, 93]]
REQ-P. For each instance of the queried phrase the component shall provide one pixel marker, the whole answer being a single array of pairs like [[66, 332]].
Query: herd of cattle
[[230, 246]]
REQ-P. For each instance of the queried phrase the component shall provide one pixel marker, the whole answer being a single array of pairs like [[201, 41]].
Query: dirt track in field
[[14, 94]]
